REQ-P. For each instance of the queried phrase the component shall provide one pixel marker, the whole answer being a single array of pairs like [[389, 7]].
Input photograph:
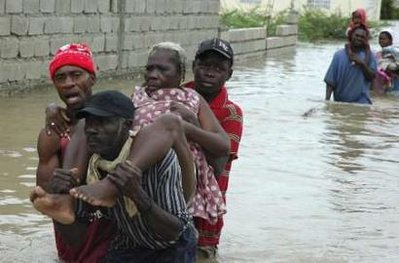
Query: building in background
[[271, 7]]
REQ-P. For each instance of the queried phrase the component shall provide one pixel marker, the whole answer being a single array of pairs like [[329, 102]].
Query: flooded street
[[320, 188]]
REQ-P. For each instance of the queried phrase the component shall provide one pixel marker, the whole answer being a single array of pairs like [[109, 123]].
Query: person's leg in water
[[149, 146]]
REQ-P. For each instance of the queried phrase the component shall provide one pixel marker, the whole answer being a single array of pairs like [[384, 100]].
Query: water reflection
[[360, 139], [346, 130]]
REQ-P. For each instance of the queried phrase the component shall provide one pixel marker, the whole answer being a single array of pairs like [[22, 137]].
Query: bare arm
[[189, 179], [156, 217], [129, 179], [211, 137], [49, 160], [48, 148], [76, 156], [329, 91], [368, 73], [212, 133]]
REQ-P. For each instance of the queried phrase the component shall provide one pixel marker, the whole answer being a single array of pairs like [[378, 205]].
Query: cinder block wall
[[254, 43], [120, 33], [286, 36], [247, 43]]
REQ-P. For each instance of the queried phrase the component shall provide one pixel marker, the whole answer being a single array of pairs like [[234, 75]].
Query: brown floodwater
[[320, 188]]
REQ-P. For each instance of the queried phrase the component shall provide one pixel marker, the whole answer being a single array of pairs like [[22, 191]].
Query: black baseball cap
[[216, 44], [110, 103]]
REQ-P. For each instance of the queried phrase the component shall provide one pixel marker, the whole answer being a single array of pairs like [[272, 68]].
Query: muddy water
[[320, 188]]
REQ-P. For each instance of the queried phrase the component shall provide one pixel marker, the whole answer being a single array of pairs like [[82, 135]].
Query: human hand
[[184, 112], [57, 120], [63, 180], [126, 177], [355, 59]]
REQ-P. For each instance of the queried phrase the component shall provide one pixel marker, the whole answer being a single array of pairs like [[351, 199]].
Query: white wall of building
[[345, 7]]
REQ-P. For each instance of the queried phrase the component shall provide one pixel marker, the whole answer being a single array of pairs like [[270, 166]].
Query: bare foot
[[101, 193], [59, 207]]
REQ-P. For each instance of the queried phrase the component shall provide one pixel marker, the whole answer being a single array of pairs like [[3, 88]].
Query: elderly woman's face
[[162, 70]]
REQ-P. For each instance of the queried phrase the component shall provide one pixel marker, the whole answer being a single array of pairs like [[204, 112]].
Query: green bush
[[241, 19], [252, 18], [313, 24], [388, 10]]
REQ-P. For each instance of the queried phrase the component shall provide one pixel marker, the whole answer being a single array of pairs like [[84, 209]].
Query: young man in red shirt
[[212, 67]]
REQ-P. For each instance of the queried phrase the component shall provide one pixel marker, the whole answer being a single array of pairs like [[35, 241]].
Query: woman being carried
[[161, 93]]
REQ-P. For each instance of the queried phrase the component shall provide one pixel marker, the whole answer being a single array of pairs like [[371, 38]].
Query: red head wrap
[[362, 14], [73, 54]]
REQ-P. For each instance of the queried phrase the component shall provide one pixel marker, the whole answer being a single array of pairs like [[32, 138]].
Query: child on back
[[358, 18]]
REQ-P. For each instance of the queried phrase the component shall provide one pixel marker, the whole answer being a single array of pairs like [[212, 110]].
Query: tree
[[388, 10]]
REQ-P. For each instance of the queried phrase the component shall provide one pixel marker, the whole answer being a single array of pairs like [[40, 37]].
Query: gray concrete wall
[[247, 43], [120, 33], [251, 43]]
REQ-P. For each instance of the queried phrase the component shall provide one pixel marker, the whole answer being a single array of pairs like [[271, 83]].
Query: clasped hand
[[127, 178]]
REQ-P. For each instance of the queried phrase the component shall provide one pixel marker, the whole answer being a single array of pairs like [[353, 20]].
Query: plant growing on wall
[[253, 18], [313, 24]]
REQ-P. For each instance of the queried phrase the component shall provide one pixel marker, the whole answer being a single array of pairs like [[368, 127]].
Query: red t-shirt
[[230, 117]]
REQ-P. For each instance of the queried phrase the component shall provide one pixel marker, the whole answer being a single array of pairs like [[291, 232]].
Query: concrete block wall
[[148, 22], [250, 43], [120, 33], [286, 36], [246, 42]]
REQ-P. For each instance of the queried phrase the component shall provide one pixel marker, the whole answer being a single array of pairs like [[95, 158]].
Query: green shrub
[[252, 18], [388, 10], [241, 19], [313, 24]]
